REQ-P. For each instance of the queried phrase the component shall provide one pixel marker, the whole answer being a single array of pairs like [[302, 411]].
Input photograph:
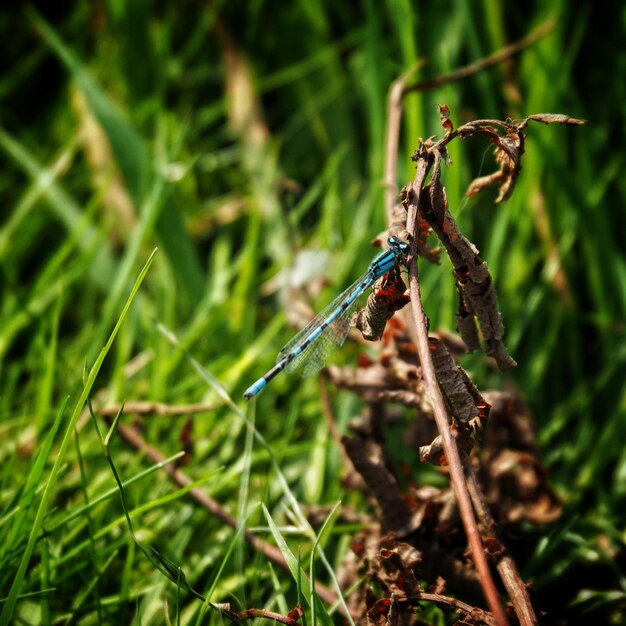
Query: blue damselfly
[[311, 345]]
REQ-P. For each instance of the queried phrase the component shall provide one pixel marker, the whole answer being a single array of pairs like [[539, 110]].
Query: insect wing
[[334, 335]]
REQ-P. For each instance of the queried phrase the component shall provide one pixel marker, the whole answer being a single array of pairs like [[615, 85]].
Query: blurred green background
[[233, 136]]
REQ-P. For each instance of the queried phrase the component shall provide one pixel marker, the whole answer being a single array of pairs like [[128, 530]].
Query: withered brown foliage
[[414, 544], [414, 548], [388, 295]]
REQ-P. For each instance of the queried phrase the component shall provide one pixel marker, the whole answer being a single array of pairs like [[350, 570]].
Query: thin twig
[[131, 435], [440, 412], [157, 408], [251, 614], [457, 605], [392, 141], [488, 61], [327, 408], [509, 574], [399, 88]]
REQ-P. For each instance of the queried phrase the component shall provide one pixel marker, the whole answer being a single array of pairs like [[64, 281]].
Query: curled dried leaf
[[368, 459], [396, 569], [397, 228], [516, 482], [479, 297], [508, 153], [460, 393], [466, 323], [551, 118], [478, 301], [296, 613], [384, 612], [444, 116], [423, 231], [389, 295], [433, 452]]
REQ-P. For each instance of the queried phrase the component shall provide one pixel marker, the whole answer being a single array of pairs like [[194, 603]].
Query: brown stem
[[488, 61], [394, 109], [392, 141], [399, 88], [458, 605], [157, 408], [180, 478], [505, 565], [441, 414], [250, 614]]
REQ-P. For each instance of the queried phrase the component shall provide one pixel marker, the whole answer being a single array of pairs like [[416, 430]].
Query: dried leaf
[[397, 227], [377, 614], [423, 230], [476, 290], [396, 570], [508, 153], [552, 118], [388, 295], [296, 613], [395, 372], [466, 323], [479, 296], [516, 483], [368, 460], [458, 390], [444, 116], [433, 452], [482, 182], [515, 480]]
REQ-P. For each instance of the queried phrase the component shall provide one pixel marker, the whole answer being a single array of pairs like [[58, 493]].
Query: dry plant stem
[[452, 454], [392, 141], [441, 415], [330, 416], [458, 605], [399, 88], [331, 422], [251, 614], [157, 408], [272, 553], [488, 61], [505, 565]]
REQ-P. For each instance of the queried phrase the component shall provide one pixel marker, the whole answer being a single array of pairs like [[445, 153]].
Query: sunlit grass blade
[[295, 567], [35, 530], [16, 531]]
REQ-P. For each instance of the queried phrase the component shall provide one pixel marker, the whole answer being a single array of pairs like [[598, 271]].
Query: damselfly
[[331, 326]]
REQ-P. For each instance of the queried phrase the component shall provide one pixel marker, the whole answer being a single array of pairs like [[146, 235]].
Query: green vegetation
[[232, 136]]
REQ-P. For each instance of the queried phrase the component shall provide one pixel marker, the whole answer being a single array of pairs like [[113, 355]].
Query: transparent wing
[[334, 335], [312, 359]]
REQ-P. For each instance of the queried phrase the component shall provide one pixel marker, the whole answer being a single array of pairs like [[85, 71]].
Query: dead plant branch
[[489, 61], [132, 436], [424, 164], [509, 574]]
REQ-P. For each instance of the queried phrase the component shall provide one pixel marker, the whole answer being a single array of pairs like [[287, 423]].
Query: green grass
[[107, 107]]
